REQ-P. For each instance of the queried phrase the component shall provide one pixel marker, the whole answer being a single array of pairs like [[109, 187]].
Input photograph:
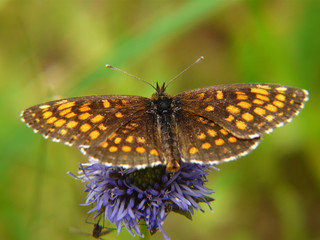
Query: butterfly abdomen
[[167, 131]]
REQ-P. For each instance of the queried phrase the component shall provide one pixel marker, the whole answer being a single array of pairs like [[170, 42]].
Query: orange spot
[[51, 120], [129, 139], [97, 118], [262, 97], [247, 116], [200, 96], [47, 114], [126, 148], [291, 101], [63, 131], [112, 136], [223, 131], [106, 103], [280, 114], [94, 134], [269, 118], [201, 136], [242, 97], [72, 124], [205, 145], [66, 105], [140, 149], [241, 125], [84, 109], [119, 115], [124, 102], [117, 140], [244, 104], [64, 112], [281, 97], [141, 140], [84, 116], [278, 104], [52, 129], [102, 127], [85, 127], [209, 108], [154, 152], [60, 122], [70, 115], [113, 149], [219, 95], [271, 108], [232, 139], [229, 118], [104, 144], [37, 120], [75, 137], [219, 141], [212, 132], [233, 109], [259, 111], [259, 90], [193, 150], [257, 101]]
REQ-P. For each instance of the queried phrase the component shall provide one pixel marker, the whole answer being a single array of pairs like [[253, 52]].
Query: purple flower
[[128, 196]]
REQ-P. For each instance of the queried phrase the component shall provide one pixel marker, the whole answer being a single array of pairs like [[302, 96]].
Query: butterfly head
[[161, 99], [160, 92]]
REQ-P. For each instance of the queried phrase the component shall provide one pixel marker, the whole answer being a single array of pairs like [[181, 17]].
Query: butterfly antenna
[[119, 70], [198, 60]]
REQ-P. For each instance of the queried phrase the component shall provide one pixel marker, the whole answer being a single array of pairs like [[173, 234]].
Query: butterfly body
[[164, 111], [206, 125]]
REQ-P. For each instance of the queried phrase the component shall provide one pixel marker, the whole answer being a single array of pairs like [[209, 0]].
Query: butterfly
[[206, 125]]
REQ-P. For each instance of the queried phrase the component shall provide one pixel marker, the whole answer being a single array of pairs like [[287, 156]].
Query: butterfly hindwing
[[135, 144], [204, 141]]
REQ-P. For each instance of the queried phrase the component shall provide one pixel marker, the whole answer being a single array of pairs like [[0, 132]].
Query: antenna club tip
[[199, 59], [108, 66]]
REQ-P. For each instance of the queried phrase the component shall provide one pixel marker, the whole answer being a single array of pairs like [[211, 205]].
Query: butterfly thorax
[[164, 110]]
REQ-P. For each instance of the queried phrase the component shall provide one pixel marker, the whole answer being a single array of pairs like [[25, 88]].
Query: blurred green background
[[53, 49]]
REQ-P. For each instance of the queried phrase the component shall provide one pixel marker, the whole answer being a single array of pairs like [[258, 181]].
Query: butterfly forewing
[[135, 144], [83, 121], [204, 141], [245, 110]]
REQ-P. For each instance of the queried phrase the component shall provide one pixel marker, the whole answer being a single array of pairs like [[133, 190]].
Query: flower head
[[129, 196]]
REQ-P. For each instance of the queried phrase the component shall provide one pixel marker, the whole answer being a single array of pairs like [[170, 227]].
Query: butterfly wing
[[135, 144], [203, 141], [83, 121], [245, 110]]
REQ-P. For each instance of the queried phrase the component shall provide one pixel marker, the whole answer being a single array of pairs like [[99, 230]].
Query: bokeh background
[[52, 49]]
